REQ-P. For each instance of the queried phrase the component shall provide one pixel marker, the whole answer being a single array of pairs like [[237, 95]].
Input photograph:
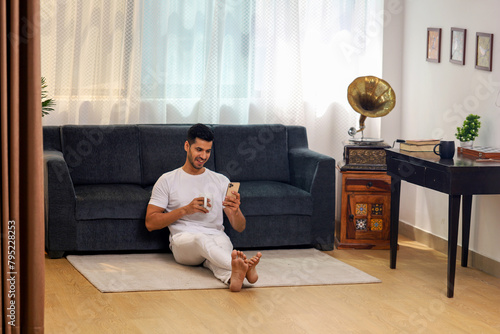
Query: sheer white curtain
[[91, 58], [213, 61]]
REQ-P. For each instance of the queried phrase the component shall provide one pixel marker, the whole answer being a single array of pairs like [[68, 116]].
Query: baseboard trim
[[476, 260]]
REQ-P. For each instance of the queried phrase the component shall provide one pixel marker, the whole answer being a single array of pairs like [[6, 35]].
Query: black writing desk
[[460, 178]]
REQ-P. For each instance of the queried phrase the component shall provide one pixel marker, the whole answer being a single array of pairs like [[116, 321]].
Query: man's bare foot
[[251, 275], [239, 268]]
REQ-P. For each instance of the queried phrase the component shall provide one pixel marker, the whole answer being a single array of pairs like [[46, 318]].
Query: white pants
[[213, 250]]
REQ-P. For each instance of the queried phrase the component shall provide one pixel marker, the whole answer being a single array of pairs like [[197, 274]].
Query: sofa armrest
[[60, 201], [315, 173], [305, 165]]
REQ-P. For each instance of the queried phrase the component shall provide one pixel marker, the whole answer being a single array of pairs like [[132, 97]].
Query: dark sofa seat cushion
[[252, 152], [111, 201], [101, 235], [267, 198], [271, 231], [102, 154]]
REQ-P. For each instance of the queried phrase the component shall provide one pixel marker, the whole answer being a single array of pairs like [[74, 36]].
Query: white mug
[[206, 199]]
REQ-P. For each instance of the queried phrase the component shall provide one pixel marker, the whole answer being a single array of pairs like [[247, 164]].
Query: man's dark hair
[[199, 131]]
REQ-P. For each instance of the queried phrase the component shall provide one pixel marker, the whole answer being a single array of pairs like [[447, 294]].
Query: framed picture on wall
[[433, 45], [484, 51], [457, 47]]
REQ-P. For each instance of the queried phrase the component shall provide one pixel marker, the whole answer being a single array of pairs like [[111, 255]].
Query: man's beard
[[192, 162]]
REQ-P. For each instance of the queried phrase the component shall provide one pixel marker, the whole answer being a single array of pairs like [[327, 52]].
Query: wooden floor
[[410, 299]]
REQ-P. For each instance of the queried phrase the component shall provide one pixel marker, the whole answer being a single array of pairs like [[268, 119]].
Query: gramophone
[[371, 97]]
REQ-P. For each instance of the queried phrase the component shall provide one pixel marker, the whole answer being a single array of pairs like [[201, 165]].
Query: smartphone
[[232, 186]]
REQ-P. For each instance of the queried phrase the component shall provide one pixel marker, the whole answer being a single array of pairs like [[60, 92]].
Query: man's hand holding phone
[[232, 207], [232, 200]]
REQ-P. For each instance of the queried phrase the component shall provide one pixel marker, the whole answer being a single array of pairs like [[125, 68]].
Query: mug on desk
[[446, 149]]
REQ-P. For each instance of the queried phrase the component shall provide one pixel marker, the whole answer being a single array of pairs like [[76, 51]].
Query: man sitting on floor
[[196, 232]]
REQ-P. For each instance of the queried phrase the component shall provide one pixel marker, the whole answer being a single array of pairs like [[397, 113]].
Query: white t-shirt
[[177, 188]]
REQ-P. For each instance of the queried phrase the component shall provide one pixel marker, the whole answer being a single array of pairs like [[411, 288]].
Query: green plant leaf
[[47, 103], [470, 128]]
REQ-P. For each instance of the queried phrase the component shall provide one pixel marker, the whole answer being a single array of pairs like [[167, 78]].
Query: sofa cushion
[[266, 198], [119, 235], [252, 152], [102, 154], [111, 201], [162, 150], [271, 231]]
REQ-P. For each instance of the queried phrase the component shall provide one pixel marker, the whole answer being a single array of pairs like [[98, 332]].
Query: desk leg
[[466, 215], [453, 215], [395, 195]]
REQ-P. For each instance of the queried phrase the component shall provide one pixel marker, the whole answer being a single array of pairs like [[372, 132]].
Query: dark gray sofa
[[98, 180]]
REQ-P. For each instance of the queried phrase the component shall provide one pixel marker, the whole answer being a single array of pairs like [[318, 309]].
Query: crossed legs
[[217, 254]]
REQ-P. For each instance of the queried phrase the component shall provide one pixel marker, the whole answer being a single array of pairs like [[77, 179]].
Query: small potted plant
[[469, 131]]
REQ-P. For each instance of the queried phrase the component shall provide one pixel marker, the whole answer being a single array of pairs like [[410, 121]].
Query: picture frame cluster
[[458, 40]]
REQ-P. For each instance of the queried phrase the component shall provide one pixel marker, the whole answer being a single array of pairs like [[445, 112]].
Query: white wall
[[434, 98]]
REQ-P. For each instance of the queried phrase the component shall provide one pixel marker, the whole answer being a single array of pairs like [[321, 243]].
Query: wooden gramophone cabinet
[[366, 199]]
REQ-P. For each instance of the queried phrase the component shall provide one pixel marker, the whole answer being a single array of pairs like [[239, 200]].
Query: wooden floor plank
[[410, 299]]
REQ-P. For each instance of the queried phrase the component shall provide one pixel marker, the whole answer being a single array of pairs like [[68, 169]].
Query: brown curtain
[[22, 225]]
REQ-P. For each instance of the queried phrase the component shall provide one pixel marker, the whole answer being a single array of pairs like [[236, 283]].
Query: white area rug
[[145, 272]]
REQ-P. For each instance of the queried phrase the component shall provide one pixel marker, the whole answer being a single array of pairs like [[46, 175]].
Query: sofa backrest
[[162, 150], [252, 152], [102, 154], [297, 137], [52, 138], [140, 154]]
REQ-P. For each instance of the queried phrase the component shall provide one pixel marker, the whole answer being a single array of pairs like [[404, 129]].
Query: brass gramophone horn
[[371, 97]]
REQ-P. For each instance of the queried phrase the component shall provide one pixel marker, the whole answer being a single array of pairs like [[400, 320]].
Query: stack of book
[[424, 145]]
